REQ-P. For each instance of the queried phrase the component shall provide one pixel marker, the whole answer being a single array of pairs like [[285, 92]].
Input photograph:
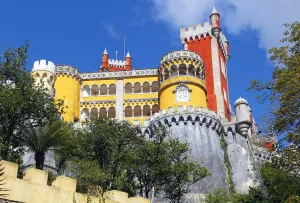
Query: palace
[[188, 93], [195, 76]]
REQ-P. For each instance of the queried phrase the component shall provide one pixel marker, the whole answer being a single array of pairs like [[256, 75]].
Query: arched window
[[94, 113], [198, 73], [155, 86], [103, 89], [86, 91], [111, 112], [103, 112], [112, 89], [51, 80], [182, 93], [44, 78], [155, 109], [146, 110], [95, 90], [166, 73], [174, 71], [85, 113], [182, 69], [137, 87], [128, 88], [137, 111], [128, 111], [146, 87], [191, 70]]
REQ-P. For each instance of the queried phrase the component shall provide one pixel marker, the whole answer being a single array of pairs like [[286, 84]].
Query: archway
[[112, 112], [146, 111], [137, 87], [128, 111], [103, 89], [112, 89], [137, 111]]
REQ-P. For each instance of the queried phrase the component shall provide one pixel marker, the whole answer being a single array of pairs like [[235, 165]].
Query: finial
[[214, 11], [105, 52], [128, 55]]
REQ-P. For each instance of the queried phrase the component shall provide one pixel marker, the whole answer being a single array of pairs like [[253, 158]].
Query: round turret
[[243, 115], [181, 76], [215, 22], [44, 73]]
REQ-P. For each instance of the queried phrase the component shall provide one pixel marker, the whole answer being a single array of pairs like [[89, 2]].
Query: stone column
[[119, 99]]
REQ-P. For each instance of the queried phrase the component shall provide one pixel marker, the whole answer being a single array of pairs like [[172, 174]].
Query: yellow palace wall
[[130, 99], [167, 96]]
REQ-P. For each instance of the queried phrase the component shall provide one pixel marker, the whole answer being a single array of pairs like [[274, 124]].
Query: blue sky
[[76, 32]]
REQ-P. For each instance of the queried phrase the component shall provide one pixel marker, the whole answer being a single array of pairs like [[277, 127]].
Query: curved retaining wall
[[201, 130]]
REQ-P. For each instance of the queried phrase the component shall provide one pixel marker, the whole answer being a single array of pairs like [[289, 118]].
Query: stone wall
[[33, 188]]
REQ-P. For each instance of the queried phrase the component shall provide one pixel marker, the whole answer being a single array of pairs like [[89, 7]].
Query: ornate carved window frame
[[182, 93]]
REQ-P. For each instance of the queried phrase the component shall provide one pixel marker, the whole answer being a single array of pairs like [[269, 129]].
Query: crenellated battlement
[[185, 114], [195, 31], [114, 62], [68, 70], [42, 65], [33, 188]]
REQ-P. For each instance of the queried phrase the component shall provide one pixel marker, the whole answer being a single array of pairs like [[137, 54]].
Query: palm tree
[[42, 139], [2, 189]]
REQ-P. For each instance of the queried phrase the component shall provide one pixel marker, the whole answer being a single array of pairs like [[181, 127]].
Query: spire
[[128, 55], [214, 11], [105, 52]]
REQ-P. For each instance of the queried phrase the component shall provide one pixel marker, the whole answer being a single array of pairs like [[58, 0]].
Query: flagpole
[[124, 47]]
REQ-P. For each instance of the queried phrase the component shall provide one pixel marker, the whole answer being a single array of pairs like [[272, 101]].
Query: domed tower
[[182, 77], [44, 73]]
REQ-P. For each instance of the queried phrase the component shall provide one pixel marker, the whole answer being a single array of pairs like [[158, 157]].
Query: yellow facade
[[197, 97], [133, 95], [67, 88]]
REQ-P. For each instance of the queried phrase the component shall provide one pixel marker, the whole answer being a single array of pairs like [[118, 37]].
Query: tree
[[163, 165], [105, 147], [279, 184], [283, 92], [182, 171], [222, 196], [2, 189], [21, 101], [115, 155], [41, 139]]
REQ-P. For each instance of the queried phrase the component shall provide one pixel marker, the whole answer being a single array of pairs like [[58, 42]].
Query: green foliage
[[293, 199], [41, 139], [2, 189], [74, 198], [224, 145], [181, 171], [101, 154], [21, 101], [222, 196], [279, 184], [283, 92], [114, 155], [51, 178], [218, 196]]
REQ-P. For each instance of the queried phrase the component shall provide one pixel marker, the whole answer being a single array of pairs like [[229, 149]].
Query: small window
[[182, 93]]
